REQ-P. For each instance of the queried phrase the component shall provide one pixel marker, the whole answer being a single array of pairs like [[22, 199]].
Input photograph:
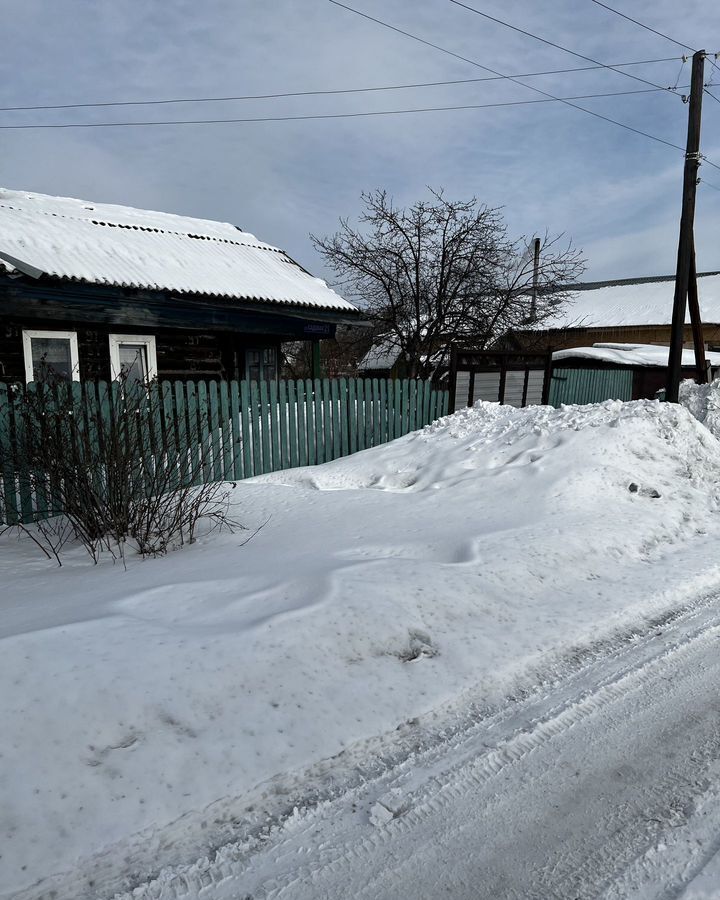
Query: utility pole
[[686, 246], [536, 278]]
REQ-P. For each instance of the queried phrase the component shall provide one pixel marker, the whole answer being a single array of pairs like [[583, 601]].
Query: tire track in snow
[[434, 782]]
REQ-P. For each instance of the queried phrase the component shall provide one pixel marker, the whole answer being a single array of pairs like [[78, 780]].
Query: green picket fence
[[223, 430]]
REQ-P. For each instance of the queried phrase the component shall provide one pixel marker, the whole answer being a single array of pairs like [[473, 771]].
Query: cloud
[[617, 194]]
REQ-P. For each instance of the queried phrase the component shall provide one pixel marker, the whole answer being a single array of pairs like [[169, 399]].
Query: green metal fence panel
[[580, 386]]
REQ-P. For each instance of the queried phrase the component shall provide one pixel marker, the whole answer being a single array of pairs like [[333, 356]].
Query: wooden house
[[89, 290], [625, 311]]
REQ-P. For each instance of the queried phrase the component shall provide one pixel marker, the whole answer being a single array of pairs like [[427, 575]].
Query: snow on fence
[[219, 431]]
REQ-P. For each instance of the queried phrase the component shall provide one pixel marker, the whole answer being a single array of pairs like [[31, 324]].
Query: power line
[[708, 184], [325, 92], [646, 27], [530, 87], [543, 40], [712, 95], [350, 115]]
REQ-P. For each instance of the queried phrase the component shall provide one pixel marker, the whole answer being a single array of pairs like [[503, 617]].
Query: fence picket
[[246, 425], [236, 434], [303, 426], [284, 436], [7, 460], [274, 430], [265, 427], [255, 414], [352, 411], [293, 417], [226, 432]]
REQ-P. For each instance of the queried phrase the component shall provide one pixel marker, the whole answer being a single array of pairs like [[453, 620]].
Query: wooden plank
[[384, 430], [293, 417], [9, 511], [303, 424], [283, 422], [319, 421], [444, 407], [352, 402], [360, 421], [38, 477], [343, 395], [184, 436], [274, 425], [195, 454], [412, 405], [265, 427], [255, 414], [337, 419], [246, 430], [215, 437], [203, 434], [369, 412], [328, 420], [226, 432], [24, 479], [310, 423], [397, 408], [235, 433], [426, 403]]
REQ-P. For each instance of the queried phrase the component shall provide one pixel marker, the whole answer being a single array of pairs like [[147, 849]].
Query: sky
[[615, 193]]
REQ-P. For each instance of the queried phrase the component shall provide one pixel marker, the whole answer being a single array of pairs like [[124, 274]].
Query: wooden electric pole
[[686, 246], [536, 278]]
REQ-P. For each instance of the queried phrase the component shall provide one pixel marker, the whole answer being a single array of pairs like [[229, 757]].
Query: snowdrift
[[153, 713]]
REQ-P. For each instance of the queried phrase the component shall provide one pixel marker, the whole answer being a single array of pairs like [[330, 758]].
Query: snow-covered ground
[[152, 715]]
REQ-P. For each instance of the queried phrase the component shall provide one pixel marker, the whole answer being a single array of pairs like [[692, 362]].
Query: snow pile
[[703, 401], [149, 714]]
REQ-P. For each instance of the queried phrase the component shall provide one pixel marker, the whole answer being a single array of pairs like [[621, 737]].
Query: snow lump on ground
[[148, 714]]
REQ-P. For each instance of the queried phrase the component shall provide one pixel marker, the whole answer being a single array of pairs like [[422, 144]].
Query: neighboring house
[[88, 290], [383, 360], [616, 372], [631, 310]]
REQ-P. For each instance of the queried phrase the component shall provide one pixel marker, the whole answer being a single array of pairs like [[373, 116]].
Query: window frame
[[146, 340], [29, 334]]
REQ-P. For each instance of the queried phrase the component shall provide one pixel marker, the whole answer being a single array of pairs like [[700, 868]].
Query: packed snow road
[[605, 784]]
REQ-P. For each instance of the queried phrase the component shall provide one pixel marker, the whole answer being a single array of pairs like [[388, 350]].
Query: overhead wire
[[646, 27], [543, 40], [312, 116], [530, 87], [324, 92]]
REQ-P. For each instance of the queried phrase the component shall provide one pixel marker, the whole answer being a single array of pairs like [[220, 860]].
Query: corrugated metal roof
[[630, 303], [101, 243], [632, 355]]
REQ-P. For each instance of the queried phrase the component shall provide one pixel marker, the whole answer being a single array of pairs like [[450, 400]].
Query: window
[[261, 365], [133, 357], [51, 356]]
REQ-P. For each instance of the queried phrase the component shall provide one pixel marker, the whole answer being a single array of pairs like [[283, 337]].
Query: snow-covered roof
[[106, 244], [382, 355], [637, 302], [632, 355]]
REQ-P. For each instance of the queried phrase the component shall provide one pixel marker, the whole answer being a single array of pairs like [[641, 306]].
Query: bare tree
[[442, 272]]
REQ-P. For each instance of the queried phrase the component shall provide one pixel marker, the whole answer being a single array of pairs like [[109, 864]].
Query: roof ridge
[[621, 282], [258, 245]]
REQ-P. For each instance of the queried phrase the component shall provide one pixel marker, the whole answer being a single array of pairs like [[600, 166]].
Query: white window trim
[[60, 335], [147, 340]]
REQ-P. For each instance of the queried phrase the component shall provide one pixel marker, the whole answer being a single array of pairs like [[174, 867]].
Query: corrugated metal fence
[[590, 385], [245, 428]]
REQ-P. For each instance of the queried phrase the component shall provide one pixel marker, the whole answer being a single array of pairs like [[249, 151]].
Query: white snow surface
[[632, 354], [650, 303], [117, 245], [456, 562]]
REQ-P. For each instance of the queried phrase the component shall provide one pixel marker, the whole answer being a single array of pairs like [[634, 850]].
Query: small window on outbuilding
[[51, 356], [133, 357]]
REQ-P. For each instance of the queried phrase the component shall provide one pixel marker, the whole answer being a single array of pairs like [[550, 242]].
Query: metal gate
[[517, 379]]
